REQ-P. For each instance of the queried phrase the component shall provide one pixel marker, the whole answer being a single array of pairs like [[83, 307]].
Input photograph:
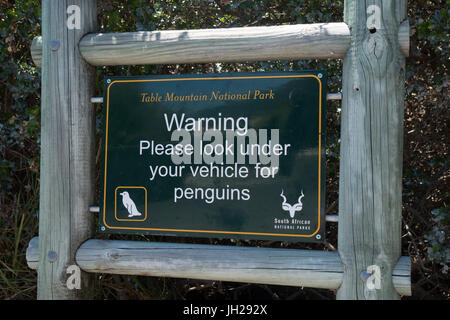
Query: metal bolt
[[52, 256], [365, 275], [319, 76], [54, 45], [108, 81], [103, 228], [318, 237]]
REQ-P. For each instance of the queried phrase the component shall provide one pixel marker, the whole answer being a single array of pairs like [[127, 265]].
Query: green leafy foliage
[[438, 250], [19, 144]]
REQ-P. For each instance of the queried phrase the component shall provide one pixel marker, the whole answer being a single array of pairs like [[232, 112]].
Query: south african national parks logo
[[291, 222], [292, 208]]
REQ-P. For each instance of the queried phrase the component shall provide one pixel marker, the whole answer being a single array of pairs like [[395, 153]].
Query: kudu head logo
[[292, 208]]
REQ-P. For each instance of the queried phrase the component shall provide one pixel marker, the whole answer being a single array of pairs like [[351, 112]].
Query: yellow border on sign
[[216, 231], [115, 203]]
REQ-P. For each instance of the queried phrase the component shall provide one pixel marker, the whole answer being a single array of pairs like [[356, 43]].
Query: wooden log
[[404, 38], [319, 269], [308, 41], [32, 253], [291, 42], [401, 276], [370, 183], [67, 173], [289, 267], [36, 51]]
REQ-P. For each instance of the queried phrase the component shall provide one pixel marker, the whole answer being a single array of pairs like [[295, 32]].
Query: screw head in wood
[[365, 275], [51, 255], [54, 45]]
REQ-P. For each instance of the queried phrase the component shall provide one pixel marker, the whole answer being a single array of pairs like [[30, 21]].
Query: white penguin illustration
[[129, 204]]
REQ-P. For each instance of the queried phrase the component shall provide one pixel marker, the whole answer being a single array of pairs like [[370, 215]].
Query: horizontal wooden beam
[[303, 41], [288, 267], [36, 51], [284, 42]]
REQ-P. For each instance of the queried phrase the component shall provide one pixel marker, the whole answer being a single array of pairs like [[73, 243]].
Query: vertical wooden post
[[67, 179], [370, 192]]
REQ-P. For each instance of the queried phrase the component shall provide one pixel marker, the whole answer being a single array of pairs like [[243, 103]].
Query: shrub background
[[426, 138]]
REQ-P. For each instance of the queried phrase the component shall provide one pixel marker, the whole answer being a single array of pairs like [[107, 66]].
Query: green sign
[[220, 155]]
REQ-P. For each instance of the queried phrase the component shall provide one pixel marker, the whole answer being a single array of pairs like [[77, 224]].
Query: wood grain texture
[[67, 178], [32, 253], [307, 41], [36, 51], [291, 42], [370, 193], [308, 268], [289, 267], [404, 37]]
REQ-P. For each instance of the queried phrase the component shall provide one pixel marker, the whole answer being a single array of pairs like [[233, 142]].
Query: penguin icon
[[129, 204]]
